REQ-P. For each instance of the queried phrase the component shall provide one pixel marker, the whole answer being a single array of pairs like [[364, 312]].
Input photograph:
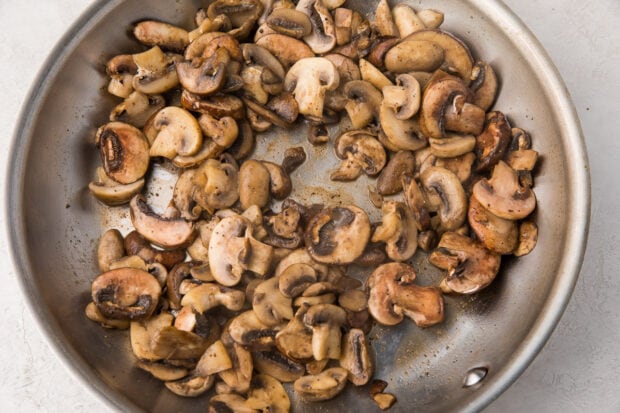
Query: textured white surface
[[576, 371]]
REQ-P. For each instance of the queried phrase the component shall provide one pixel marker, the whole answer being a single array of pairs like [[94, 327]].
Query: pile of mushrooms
[[231, 289]]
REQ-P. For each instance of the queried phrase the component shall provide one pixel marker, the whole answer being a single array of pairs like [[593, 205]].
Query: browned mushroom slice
[[338, 235], [497, 234], [225, 403], [276, 365], [223, 131], [156, 71], [389, 180], [356, 357], [237, 379], [110, 249], [398, 230], [290, 22], [493, 142], [363, 104], [503, 196], [361, 153], [171, 343], [414, 55], [271, 307], [217, 105], [286, 49], [355, 303], [322, 38], [446, 196], [121, 70], [233, 250], [401, 134], [295, 279], [191, 386], [214, 360], [528, 236], [204, 76], [471, 267], [247, 330], [295, 339], [243, 14], [457, 57], [302, 256], [163, 372], [173, 131], [209, 295], [141, 332], [324, 386], [258, 55], [136, 244], [168, 233], [348, 71], [126, 294], [416, 201], [268, 395], [325, 320], [308, 80], [392, 295], [384, 20], [165, 35], [484, 85], [253, 184], [280, 184], [137, 108], [124, 152], [93, 314], [404, 98]]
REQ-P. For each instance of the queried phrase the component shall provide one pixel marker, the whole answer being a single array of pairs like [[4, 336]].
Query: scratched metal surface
[[576, 369]]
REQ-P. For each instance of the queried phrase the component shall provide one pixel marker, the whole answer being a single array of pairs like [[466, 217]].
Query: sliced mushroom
[[457, 57], [137, 108], [432, 19], [275, 364], [401, 134], [398, 230], [414, 55], [484, 85], [136, 244], [209, 295], [124, 152], [348, 71], [243, 14], [308, 80], [165, 35], [384, 400], [392, 295], [223, 131], [493, 142], [233, 250], [191, 386], [287, 50], [93, 314], [244, 144], [471, 267], [168, 233], [163, 372], [268, 395], [217, 105], [389, 180], [446, 195], [173, 131], [293, 158], [225, 403], [452, 145], [364, 102], [324, 386], [214, 360], [404, 98], [295, 339], [247, 330], [156, 71], [497, 234], [253, 184], [271, 307], [528, 236], [322, 37], [290, 22], [110, 249], [361, 153], [384, 20], [170, 343], [204, 76], [280, 185], [356, 358], [338, 235], [461, 166], [126, 294], [503, 196], [237, 379], [325, 320], [464, 117], [373, 75], [407, 20], [295, 279], [141, 332], [121, 70], [301, 256], [216, 185], [111, 192]]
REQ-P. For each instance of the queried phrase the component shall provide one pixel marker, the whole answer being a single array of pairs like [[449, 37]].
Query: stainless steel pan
[[54, 223]]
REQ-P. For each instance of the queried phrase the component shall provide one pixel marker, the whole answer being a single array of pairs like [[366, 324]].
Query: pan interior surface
[[55, 223]]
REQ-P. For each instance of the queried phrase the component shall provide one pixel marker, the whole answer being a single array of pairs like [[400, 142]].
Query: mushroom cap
[[287, 50], [471, 267], [389, 180], [503, 196], [126, 294], [124, 152], [438, 96], [497, 234], [363, 104], [414, 55], [216, 185], [445, 188], [271, 306], [401, 134], [338, 235], [392, 294], [398, 230], [361, 152], [173, 131], [168, 233]]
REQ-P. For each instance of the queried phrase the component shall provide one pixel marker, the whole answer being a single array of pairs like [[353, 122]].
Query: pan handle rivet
[[475, 376]]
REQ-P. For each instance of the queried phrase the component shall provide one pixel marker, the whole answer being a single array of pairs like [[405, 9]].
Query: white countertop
[[579, 368]]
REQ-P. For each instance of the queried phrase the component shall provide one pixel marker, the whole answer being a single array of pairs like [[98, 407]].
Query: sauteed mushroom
[[124, 152]]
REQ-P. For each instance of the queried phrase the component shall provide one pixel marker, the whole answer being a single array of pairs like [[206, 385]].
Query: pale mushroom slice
[[165, 35], [170, 343], [216, 184], [254, 183], [356, 357], [414, 55], [432, 19], [206, 296], [191, 386], [232, 402], [503, 195], [214, 360], [364, 102], [528, 236], [308, 80], [233, 250], [338, 235], [137, 108], [392, 295], [361, 153], [497, 234], [295, 339], [446, 196], [287, 50], [111, 192], [373, 75], [322, 38], [126, 294], [141, 333], [398, 230], [401, 134], [223, 131], [452, 145], [92, 312], [168, 233], [384, 20], [277, 365], [111, 248], [404, 98], [407, 20], [325, 320], [323, 386], [124, 152], [268, 395], [173, 131], [121, 70], [471, 267], [247, 330], [271, 306], [156, 71]]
